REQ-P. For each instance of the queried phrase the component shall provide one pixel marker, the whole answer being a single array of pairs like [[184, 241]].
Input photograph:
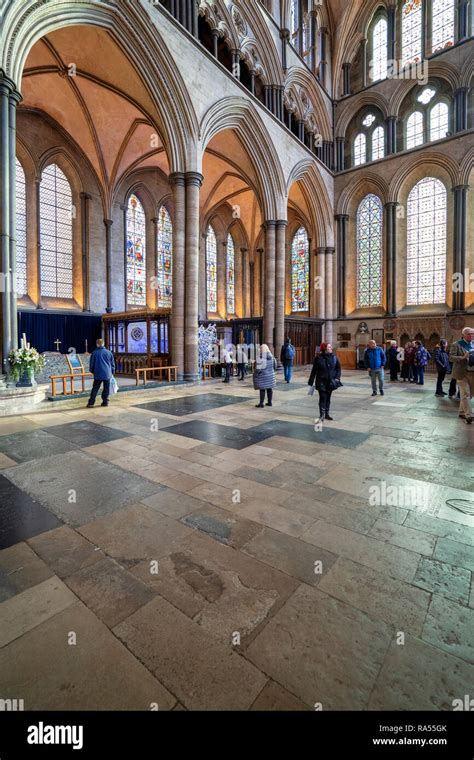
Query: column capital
[[243, 250], [285, 34], [194, 179], [341, 217], [85, 196], [177, 178], [391, 204], [269, 224], [108, 222], [282, 223], [330, 251], [260, 250], [321, 251], [154, 220], [456, 188], [7, 84]]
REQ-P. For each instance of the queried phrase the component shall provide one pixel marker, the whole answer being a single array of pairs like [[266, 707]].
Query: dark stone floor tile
[[346, 439], [21, 516], [84, 433], [221, 525], [180, 407], [20, 568], [221, 435], [35, 444]]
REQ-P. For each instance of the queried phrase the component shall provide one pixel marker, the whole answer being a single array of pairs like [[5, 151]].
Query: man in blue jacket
[[102, 365], [375, 361]]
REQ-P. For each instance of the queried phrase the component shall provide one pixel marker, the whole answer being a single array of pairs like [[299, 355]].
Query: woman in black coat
[[326, 377]]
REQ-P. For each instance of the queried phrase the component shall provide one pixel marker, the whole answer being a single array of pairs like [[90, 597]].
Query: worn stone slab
[[401, 535], [419, 676], [65, 550], [173, 503], [31, 607], [275, 698], [439, 527], [450, 626], [444, 579], [20, 568], [98, 673], [454, 553], [33, 444], [290, 555], [78, 487], [6, 462], [190, 662], [85, 433], [222, 525], [383, 598], [21, 516], [322, 650], [274, 516]]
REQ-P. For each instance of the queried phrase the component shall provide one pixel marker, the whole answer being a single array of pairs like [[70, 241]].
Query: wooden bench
[[64, 378], [161, 371]]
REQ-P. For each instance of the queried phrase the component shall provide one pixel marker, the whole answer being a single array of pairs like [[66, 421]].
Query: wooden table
[[167, 371]]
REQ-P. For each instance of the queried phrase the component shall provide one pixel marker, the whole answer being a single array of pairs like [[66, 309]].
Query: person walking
[[326, 378], [228, 364], [264, 379], [375, 361], [287, 357], [242, 361], [102, 366], [443, 365], [459, 355], [422, 357], [393, 361]]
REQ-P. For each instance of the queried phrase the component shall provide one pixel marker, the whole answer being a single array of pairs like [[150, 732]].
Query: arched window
[[414, 130], [230, 275], [300, 271], [369, 251], [211, 269], [412, 31], [136, 253], [294, 21], [439, 121], [442, 24], [379, 50], [55, 233], [426, 243], [360, 149], [165, 259], [21, 266], [378, 143]]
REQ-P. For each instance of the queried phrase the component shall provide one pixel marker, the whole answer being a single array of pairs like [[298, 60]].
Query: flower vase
[[26, 379]]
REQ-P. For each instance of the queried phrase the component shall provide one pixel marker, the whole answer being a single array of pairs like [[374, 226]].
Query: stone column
[[323, 61], [460, 109], [340, 154], [463, 20], [329, 294], [341, 221], [202, 278], [269, 304], [215, 39], [222, 279], [346, 78], [236, 63], [39, 304], [177, 181], [285, 38], [191, 369], [252, 286], [152, 268], [108, 263], [280, 257], [239, 308], [321, 290], [245, 283], [391, 135], [391, 32], [363, 57], [460, 232], [85, 198], [5, 201], [391, 247]]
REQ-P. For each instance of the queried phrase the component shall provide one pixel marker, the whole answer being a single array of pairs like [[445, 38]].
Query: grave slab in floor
[[220, 435], [34, 444], [84, 433], [21, 516], [180, 407]]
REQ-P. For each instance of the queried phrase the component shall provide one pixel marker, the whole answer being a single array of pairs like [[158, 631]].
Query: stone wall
[[56, 364]]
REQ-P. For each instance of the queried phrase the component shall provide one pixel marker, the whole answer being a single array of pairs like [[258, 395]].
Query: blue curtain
[[42, 329]]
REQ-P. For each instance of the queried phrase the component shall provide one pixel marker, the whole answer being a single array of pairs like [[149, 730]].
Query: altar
[[138, 339]]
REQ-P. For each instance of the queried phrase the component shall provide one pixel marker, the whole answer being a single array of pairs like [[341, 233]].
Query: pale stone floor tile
[[274, 516], [450, 626], [274, 698], [454, 553], [407, 538], [65, 550], [5, 461], [20, 568], [442, 578]]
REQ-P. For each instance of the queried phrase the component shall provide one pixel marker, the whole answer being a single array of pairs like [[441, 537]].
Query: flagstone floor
[[182, 549]]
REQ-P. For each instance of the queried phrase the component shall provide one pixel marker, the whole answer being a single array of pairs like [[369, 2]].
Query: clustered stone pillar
[[329, 292], [391, 132], [186, 12], [346, 78], [363, 56], [460, 224], [9, 99], [85, 198], [460, 109], [321, 275], [222, 279], [340, 154], [391, 246], [391, 32], [177, 315], [323, 61], [463, 19], [193, 182], [108, 263], [270, 266], [281, 226], [341, 221]]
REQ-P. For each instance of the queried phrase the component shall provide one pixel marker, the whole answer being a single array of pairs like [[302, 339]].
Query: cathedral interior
[[268, 169]]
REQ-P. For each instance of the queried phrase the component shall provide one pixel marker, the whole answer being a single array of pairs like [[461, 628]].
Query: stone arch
[[437, 70], [359, 187], [300, 80], [363, 102], [129, 26], [423, 165], [307, 174]]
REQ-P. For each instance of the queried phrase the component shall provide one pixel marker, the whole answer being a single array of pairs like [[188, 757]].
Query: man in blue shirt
[[102, 365], [287, 358], [375, 361]]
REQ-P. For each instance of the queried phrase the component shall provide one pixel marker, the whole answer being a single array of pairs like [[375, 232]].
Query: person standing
[[242, 361], [443, 366], [375, 361], [459, 357], [326, 377], [287, 358], [408, 361], [228, 364], [393, 361], [102, 366], [422, 357], [264, 379]]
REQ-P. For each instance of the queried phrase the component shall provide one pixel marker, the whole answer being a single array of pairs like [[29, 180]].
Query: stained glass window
[[294, 19], [360, 149], [378, 143], [211, 269], [442, 24], [136, 253], [426, 243], [439, 121], [415, 129], [379, 50], [369, 251], [56, 213], [230, 275], [426, 95], [21, 286], [369, 120], [300, 271], [165, 259], [411, 31]]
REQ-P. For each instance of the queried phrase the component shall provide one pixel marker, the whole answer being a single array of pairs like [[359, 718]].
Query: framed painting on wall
[[378, 336]]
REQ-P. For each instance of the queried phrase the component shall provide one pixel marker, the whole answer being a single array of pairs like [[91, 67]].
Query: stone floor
[[183, 549]]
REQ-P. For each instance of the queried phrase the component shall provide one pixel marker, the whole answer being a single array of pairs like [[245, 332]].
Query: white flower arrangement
[[24, 359]]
